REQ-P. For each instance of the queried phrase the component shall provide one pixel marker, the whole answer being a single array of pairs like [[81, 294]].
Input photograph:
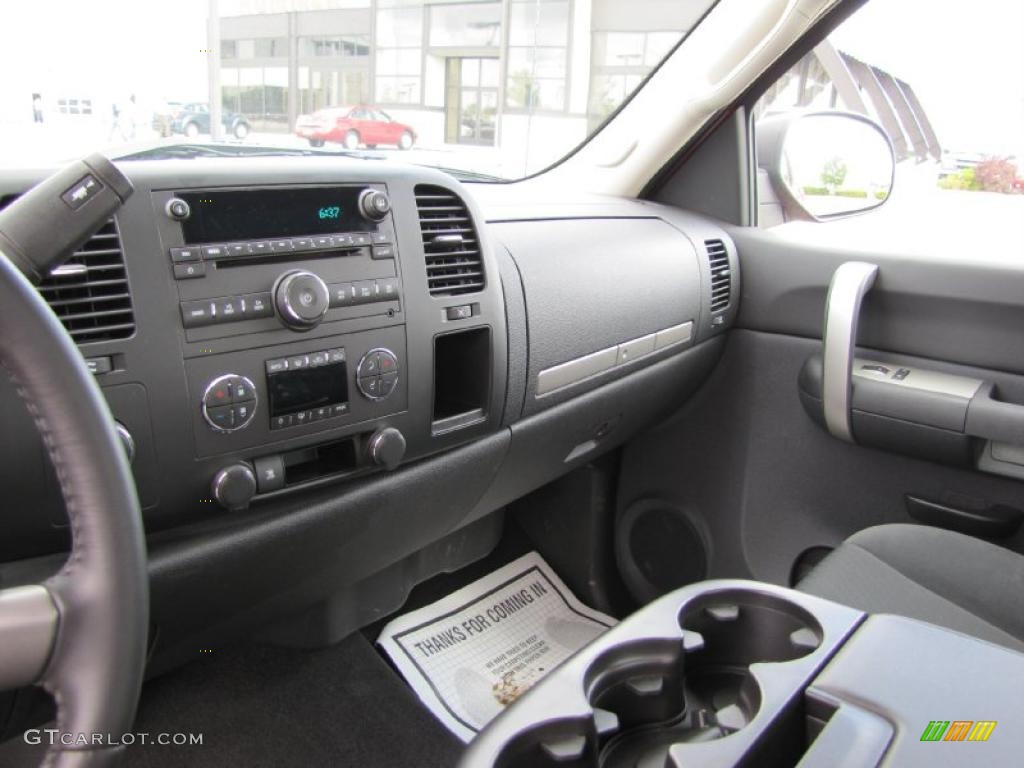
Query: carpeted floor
[[261, 706]]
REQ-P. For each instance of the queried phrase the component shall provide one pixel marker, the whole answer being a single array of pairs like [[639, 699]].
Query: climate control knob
[[234, 486], [374, 204], [301, 299], [229, 403]]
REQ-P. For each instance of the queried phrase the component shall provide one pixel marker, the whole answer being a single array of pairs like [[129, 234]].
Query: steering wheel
[[80, 634]]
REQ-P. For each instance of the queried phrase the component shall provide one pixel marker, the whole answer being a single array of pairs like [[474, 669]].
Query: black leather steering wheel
[[80, 634]]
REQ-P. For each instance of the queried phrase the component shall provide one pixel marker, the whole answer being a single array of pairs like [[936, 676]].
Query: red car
[[354, 126]]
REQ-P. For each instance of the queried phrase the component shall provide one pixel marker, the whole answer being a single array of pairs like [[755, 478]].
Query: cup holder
[[704, 692], [715, 677]]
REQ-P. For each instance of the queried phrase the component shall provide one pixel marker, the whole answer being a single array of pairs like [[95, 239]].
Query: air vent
[[89, 292], [721, 281], [449, 243]]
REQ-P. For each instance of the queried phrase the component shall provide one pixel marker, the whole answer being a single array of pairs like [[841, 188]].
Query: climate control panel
[[313, 385]]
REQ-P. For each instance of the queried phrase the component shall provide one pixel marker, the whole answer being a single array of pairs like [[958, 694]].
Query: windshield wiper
[[188, 151]]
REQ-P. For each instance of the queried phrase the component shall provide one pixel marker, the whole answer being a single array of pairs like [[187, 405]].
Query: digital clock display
[[220, 216]]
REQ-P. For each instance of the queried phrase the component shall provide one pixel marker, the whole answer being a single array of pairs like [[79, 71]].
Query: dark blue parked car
[[194, 119]]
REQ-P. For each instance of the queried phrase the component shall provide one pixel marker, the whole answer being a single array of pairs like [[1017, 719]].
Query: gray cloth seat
[[934, 575]]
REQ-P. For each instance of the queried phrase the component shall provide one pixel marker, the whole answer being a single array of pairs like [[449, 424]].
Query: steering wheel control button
[[178, 209], [229, 403], [189, 270], [374, 204], [301, 299], [234, 486]]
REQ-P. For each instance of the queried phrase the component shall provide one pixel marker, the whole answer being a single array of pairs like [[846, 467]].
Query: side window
[[954, 118]]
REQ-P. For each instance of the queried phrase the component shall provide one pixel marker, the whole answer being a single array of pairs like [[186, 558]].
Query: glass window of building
[[340, 46], [399, 40], [538, 42], [465, 25], [245, 49]]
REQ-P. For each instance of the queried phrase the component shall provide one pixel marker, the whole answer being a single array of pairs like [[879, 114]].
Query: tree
[[834, 173]]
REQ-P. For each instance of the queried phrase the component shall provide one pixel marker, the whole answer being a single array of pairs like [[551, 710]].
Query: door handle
[[850, 283]]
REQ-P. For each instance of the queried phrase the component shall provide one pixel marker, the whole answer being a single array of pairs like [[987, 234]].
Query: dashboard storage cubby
[[462, 378], [670, 684]]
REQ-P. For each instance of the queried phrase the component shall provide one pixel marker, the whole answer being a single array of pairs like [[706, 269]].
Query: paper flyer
[[472, 653]]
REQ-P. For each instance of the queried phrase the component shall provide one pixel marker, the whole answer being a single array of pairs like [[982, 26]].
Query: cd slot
[[229, 262]]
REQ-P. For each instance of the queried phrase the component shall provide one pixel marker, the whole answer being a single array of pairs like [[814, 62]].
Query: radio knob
[[301, 299], [374, 204], [386, 447], [234, 486], [178, 209]]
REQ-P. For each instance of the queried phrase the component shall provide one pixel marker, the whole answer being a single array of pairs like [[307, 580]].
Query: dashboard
[[322, 368]]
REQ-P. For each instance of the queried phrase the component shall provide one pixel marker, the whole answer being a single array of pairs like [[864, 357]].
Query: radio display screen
[[224, 215], [306, 388]]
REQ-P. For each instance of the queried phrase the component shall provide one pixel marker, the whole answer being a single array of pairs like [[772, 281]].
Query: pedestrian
[[37, 108]]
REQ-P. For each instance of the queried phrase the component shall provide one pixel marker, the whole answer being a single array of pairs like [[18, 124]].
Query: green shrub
[[815, 191], [962, 179], [834, 173], [881, 194], [858, 193]]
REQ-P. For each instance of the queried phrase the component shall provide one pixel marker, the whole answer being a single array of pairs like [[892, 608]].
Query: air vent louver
[[721, 281], [89, 292], [450, 243]]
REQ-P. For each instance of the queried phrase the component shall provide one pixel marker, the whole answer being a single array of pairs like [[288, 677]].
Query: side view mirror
[[825, 165]]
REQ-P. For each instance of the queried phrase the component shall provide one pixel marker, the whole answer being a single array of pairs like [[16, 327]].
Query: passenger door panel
[[762, 480]]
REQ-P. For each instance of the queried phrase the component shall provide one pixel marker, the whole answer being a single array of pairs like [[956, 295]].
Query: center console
[[294, 304], [739, 673]]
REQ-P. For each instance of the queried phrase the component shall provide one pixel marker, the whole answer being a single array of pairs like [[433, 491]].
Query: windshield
[[493, 89]]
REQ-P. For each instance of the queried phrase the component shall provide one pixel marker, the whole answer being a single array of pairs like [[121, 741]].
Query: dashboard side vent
[[721, 279], [450, 243], [89, 292]]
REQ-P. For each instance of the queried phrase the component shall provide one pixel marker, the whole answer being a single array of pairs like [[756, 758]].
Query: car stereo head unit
[[232, 214]]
